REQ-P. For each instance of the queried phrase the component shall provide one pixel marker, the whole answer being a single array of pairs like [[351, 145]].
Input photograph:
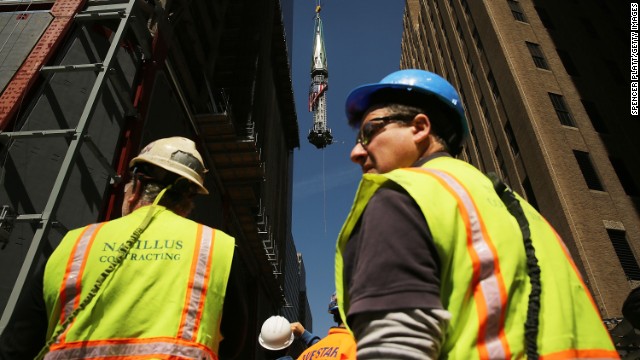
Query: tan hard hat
[[276, 333], [177, 155]]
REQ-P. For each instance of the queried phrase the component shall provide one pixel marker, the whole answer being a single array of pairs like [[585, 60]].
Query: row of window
[[618, 237], [518, 14], [561, 109]]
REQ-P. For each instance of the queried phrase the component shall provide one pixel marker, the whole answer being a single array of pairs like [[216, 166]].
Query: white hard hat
[[177, 155], [276, 333]]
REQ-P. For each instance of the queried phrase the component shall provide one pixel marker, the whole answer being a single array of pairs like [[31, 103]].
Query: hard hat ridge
[[177, 155], [276, 333]]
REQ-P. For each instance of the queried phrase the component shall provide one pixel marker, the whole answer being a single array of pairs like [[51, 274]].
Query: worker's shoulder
[[75, 233]]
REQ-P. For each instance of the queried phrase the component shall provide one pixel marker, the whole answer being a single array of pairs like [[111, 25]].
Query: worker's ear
[[134, 195], [421, 128]]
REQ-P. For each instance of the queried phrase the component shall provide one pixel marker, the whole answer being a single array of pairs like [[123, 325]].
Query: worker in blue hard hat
[[437, 259]]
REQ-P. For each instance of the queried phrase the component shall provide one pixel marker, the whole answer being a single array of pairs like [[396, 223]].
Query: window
[[569, 66], [476, 38], [493, 85], [625, 255], [588, 171], [501, 165], [465, 6], [459, 31], [485, 109], [511, 138], [528, 191], [516, 10], [544, 17], [482, 163], [626, 180], [594, 116], [561, 110], [537, 55]]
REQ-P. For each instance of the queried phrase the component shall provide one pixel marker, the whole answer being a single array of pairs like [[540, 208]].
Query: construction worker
[[339, 344], [437, 260], [151, 284], [276, 336]]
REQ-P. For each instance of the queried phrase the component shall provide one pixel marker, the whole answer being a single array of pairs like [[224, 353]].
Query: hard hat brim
[[158, 162], [276, 348]]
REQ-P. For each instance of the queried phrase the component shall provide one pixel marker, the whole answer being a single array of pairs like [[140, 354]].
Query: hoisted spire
[[319, 135]]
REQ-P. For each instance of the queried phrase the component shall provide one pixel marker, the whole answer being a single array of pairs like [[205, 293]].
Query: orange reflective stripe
[[162, 347], [204, 274], [576, 354], [198, 284], [488, 286], [71, 287]]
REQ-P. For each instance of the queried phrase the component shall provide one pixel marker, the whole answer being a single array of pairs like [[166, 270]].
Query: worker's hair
[[436, 117], [175, 199], [336, 317], [178, 198]]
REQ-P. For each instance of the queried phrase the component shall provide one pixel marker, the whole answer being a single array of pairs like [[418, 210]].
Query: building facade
[[85, 84], [546, 93]]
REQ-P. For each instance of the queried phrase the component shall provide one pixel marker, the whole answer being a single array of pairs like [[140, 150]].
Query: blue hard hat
[[413, 83]]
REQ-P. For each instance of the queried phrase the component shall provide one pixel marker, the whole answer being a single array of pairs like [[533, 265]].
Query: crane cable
[[324, 197]]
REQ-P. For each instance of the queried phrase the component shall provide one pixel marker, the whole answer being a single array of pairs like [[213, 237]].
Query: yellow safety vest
[[163, 302], [484, 280]]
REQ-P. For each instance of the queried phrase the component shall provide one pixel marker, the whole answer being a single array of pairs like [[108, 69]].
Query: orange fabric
[[339, 344], [190, 285], [167, 340], [582, 354], [205, 285]]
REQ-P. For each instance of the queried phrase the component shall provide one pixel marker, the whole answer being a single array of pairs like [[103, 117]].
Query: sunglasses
[[373, 126]]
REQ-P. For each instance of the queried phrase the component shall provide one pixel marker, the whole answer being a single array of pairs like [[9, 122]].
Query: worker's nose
[[358, 154]]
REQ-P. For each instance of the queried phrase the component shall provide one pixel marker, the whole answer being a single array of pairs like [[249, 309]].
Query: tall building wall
[[545, 91], [216, 72]]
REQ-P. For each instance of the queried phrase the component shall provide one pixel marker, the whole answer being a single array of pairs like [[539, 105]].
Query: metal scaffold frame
[[96, 10]]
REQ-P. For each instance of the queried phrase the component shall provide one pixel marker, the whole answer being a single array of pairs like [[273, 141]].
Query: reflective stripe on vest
[[115, 349], [182, 346], [198, 280], [490, 296], [71, 285]]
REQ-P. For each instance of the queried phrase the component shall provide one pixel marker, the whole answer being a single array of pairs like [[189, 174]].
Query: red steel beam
[[63, 12]]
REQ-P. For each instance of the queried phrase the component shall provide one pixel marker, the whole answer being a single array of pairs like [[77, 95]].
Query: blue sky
[[362, 40]]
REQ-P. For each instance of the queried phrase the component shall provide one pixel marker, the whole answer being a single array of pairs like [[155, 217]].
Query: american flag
[[315, 91]]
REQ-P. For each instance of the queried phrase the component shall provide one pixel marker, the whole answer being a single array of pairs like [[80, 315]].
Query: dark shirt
[[24, 336], [390, 260]]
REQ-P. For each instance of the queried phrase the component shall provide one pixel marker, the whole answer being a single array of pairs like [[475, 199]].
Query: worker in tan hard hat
[[151, 284]]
